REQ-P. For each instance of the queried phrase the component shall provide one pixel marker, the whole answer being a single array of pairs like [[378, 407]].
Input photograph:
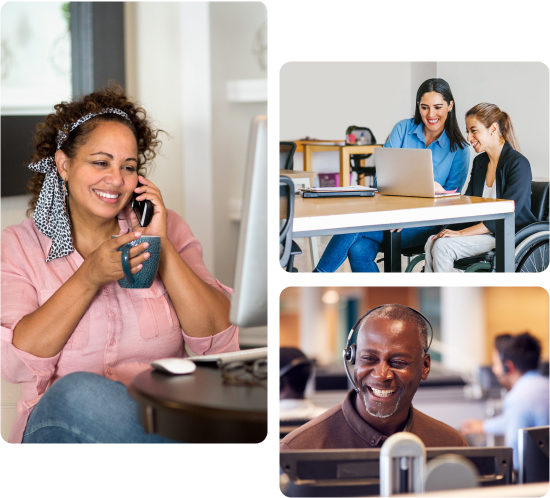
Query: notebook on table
[[352, 191]]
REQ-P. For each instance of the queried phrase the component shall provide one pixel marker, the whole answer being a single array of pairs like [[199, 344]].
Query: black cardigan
[[513, 177]]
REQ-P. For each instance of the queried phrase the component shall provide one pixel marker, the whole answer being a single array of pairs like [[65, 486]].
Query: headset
[[351, 349], [503, 360], [301, 360]]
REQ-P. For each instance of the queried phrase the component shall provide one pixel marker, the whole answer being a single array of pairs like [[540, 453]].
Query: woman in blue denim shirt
[[434, 127]]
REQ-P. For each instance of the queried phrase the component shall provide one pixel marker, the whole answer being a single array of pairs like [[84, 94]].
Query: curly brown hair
[[67, 113]]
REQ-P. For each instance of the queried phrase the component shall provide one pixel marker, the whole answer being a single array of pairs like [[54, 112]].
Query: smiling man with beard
[[391, 360]]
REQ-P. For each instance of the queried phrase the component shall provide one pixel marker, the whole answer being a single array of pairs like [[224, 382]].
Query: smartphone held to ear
[[143, 209]]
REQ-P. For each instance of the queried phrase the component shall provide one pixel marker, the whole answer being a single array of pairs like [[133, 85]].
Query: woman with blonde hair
[[500, 171]]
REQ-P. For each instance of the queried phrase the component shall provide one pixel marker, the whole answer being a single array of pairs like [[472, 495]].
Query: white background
[[298, 31]]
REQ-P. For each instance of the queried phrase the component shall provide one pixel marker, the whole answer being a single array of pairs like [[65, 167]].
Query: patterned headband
[[49, 215]]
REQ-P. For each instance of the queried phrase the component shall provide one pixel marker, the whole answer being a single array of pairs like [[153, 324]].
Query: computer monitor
[[249, 302], [356, 472], [533, 454]]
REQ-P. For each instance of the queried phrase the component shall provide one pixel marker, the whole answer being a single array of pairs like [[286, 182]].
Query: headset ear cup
[[353, 351]]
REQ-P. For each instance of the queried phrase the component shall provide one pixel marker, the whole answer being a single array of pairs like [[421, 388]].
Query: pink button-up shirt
[[122, 331]]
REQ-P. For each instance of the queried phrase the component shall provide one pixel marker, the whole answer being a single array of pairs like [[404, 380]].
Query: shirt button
[[154, 291], [109, 371], [113, 342], [112, 312], [373, 440], [107, 290]]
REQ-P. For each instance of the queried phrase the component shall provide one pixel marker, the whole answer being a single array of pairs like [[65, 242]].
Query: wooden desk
[[200, 408], [344, 150], [314, 217], [298, 174]]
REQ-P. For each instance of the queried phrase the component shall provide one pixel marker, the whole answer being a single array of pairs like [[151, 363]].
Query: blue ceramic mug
[[144, 278]]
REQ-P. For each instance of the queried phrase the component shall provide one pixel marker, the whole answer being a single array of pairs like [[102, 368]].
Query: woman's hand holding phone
[[148, 191]]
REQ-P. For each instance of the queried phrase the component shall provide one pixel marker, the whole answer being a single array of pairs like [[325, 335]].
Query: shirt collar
[[443, 139], [362, 428], [525, 378]]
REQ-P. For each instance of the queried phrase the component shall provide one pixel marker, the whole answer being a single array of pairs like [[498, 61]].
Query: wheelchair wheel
[[532, 254]]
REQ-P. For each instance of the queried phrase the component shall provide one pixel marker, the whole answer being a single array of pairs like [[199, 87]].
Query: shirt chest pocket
[[81, 334], [154, 311]]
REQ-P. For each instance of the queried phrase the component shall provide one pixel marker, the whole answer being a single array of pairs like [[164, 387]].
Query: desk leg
[[392, 251], [344, 167], [314, 251], [308, 158], [504, 244]]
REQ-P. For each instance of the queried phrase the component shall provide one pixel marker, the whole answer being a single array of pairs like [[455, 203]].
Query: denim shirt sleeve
[[459, 170]]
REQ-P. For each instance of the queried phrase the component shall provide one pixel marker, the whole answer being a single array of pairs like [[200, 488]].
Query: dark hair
[[67, 113], [452, 129], [297, 376], [405, 314], [522, 350], [489, 114]]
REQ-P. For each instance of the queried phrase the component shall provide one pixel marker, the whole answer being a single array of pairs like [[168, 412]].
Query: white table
[[315, 217]]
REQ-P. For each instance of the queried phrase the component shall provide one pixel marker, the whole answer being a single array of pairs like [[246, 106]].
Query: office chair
[[355, 159], [287, 247], [286, 155], [532, 242]]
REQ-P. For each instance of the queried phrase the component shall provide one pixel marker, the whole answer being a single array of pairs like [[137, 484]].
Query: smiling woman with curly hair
[[70, 334]]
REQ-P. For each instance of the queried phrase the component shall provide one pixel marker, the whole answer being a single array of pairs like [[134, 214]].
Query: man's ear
[[62, 163], [510, 367], [426, 366]]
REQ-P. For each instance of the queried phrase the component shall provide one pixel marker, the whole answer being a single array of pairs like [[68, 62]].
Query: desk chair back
[[539, 200], [363, 136], [286, 215], [286, 155]]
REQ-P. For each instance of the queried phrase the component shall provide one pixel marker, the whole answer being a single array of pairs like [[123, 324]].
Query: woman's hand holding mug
[[104, 265]]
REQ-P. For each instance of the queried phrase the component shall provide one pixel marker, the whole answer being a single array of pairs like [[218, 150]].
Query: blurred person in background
[[515, 363], [295, 371]]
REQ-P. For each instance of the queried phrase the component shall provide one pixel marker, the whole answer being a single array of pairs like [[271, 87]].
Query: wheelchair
[[532, 243]]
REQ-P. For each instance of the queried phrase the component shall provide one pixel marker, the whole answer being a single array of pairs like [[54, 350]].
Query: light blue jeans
[[83, 407], [362, 248]]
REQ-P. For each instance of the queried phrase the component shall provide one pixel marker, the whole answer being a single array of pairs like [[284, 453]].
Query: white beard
[[378, 414]]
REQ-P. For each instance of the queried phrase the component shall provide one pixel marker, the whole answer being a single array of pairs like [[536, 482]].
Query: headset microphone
[[350, 352]]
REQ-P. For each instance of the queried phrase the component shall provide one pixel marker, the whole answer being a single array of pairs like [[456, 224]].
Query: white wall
[[519, 88], [160, 81], [320, 99], [232, 29]]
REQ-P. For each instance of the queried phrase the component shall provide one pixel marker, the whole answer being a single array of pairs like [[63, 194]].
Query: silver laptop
[[407, 172]]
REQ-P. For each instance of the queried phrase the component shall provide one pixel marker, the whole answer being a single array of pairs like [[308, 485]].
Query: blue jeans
[[83, 407], [362, 248]]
